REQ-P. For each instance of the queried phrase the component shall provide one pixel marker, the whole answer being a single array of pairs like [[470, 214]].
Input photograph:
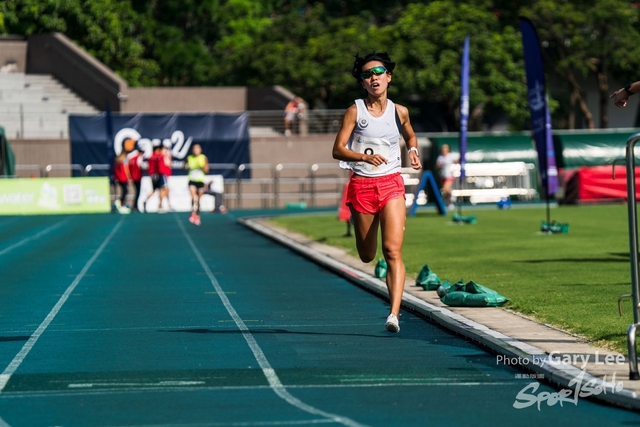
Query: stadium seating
[[37, 106]]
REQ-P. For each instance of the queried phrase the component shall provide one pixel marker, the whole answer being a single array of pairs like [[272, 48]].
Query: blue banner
[[540, 118], [224, 138], [552, 167], [464, 106]]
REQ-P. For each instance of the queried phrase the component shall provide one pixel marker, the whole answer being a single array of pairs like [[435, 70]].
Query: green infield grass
[[571, 281]]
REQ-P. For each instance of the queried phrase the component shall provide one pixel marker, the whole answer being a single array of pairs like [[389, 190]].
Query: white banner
[[179, 195]]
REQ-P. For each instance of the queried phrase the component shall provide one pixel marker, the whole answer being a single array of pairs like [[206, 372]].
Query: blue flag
[[540, 118], [464, 106]]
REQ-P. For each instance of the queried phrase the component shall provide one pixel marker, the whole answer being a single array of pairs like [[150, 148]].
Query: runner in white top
[[445, 162], [367, 143], [375, 135]]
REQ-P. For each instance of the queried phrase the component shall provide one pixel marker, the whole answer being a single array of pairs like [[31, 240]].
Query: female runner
[[368, 144]]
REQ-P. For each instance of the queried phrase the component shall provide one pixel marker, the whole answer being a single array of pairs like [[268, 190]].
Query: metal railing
[[633, 255], [269, 185], [284, 183], [272, 185], [310, 122], [316, 184], [490, 182], [264, 183], [96, 167], [69, 167], [33, 168]]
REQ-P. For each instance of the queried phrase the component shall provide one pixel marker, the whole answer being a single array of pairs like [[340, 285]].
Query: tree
[[306, 51], [592, 39], [428, 41], [191, 39], [107, 29]]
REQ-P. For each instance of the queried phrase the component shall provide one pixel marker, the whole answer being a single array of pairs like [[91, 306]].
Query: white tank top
[[375, 135]]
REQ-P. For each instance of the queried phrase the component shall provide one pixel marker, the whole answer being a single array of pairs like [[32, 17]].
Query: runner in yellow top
[[198, 166]]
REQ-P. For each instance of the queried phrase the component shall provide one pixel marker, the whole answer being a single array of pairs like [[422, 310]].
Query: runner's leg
[[193, 190], [198, 198], [366, 229], [392, 224]]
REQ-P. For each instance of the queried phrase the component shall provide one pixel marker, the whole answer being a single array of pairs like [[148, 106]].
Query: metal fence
[[490, 182], [266, 185], [317, 184], [250, 185], [310, 122]]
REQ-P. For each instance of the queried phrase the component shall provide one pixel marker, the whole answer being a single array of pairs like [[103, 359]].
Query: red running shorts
[[370, 195]]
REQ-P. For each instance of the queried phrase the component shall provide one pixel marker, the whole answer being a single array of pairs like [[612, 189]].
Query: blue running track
[[147, 320]]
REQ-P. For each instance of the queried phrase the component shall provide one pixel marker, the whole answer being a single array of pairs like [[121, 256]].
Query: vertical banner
[[540, 118], [464, 106], [552, 168]]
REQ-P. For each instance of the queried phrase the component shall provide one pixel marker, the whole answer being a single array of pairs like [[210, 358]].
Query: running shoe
[[192, 218], [197, 220], [162, 211], [392, 324]]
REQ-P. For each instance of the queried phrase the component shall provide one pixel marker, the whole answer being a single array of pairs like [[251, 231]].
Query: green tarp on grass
[[470, 295]]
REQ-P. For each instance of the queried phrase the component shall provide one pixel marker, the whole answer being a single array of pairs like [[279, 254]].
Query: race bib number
[[370, 146]]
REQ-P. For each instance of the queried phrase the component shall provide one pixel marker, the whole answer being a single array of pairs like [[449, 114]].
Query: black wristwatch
[[627, 88]]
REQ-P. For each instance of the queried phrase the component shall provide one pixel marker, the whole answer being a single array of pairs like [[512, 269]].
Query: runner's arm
[[409, 136], [340, 150]]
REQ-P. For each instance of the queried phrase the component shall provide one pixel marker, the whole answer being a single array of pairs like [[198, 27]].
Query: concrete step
[[25, 88], [11, 86], [38, 106], [23, 96], [39, 77], [31, 107], [12, 77]]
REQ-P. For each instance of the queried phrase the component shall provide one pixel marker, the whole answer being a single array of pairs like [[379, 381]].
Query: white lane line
[[268, 371], [15, 363], [3, 423], [178, 328], [238, 424], [35, 236], [74, 391]]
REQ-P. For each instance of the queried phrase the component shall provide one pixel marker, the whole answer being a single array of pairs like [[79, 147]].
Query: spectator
[[294, 110], [135, 171], [165, 169], [444, 162], [158, 180], [122, 178]]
